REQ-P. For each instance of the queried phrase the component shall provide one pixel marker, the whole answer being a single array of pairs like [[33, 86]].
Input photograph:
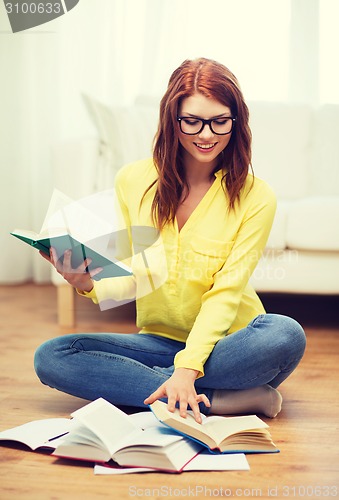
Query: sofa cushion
[[281, 146], [277, 238], [324, 172], [294, 271], [313, 224], [126, 132]]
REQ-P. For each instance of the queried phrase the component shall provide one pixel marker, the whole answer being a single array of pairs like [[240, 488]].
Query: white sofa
[[295, 148]]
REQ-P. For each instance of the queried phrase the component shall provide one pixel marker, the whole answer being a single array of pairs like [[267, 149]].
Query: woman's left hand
[[180, 387]]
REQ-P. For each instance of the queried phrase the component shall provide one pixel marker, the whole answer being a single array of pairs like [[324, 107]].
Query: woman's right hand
[[79, 278]]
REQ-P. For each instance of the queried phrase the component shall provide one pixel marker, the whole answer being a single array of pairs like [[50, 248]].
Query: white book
[[101, 432], [204, 461]]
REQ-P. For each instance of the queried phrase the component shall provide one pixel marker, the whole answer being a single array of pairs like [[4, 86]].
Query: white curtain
[[114, 50], [29, 98], [43, 72]]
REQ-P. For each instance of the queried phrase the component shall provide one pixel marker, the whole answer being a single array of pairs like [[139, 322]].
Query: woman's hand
[[79, 278], [180, 387]]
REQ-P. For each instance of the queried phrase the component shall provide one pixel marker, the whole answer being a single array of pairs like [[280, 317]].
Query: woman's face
[[203, 147]]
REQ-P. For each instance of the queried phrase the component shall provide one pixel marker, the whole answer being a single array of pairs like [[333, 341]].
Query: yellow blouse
[[192, 285]]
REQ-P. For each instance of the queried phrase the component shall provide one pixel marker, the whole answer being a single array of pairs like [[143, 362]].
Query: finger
[[183, 407], [82, 269], [159, 393], [67, 265], [54, 256], [202, 398], [172, 402], [96, 271], [196, 412]]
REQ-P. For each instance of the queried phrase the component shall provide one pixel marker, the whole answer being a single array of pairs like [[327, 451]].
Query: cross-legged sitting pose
[[205, 341]]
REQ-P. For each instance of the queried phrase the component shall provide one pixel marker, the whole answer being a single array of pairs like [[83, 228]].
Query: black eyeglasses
[[219, 126]]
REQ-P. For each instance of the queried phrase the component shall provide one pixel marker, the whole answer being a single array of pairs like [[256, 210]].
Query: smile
[[205, 147]]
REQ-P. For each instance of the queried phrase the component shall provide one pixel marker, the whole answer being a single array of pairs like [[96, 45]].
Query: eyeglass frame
[[206, 122]]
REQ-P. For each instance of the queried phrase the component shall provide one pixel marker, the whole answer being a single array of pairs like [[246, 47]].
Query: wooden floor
[[306, 431]]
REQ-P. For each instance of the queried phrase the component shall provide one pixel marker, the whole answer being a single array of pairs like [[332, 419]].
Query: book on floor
[[38, 434], [204, 461], [243, 434], [100, 432]]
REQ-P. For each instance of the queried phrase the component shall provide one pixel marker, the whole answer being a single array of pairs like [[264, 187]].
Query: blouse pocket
[[205, 258]]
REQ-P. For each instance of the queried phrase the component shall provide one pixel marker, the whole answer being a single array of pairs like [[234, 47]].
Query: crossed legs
[[241, 373]]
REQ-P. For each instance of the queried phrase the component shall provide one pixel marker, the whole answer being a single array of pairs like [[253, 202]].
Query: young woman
[[205, 341]]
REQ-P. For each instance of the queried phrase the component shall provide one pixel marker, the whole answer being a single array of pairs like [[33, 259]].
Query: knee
[[44, 360], [290, 334], [40, 357]]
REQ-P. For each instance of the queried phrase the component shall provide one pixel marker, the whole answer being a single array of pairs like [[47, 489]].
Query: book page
[[225, 426], [187, 425], [79, 434], [111, 425], [37, 433], [57, 202], [92, 220], [107, 470], [85, 219], [26, 233], [204, 461], [79, 222], [214, 428], [152, 436], [146, 419], [207, 461]]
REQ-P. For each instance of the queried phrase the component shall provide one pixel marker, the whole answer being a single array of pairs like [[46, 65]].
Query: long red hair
[[215, 81]]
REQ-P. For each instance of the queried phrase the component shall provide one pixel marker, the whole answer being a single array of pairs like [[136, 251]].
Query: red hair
[[214, 81]]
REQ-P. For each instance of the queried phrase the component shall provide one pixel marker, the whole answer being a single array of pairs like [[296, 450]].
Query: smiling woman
[[206, 90], [205, 341]]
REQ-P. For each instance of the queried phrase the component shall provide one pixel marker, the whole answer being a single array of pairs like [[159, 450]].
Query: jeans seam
[[132, 348], [121, 359], [256, 378], [259, 319]]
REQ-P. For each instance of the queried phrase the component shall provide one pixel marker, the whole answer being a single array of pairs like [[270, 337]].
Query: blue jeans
[[126, 368]]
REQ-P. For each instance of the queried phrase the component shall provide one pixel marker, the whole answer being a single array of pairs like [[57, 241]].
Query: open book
[[39, 434], [245, 434], [63, 241], [99, 432], [89, 228]]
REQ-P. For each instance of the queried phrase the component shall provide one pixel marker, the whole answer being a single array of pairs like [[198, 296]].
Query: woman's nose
[[206, 132]]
